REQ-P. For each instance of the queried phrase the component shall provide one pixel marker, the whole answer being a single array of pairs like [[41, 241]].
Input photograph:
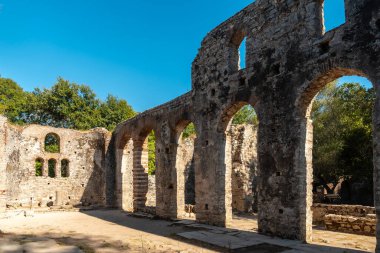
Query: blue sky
[[137, 50]]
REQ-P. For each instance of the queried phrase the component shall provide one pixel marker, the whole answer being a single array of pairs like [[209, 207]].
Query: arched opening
[[52, 164], [144, 172], [39, 165], [52, 143], [237, 51], [342, 161], [186, 135], [333, 14], [65, 168], [242, 54], [241, 165]]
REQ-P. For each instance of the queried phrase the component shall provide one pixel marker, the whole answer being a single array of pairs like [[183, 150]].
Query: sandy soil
[[109, 231]]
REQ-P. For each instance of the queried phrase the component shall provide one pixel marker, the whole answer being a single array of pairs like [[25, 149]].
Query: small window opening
[[65, 168], [334, 14], [52, 143], [51, 168], [39, 164], [242, 54]]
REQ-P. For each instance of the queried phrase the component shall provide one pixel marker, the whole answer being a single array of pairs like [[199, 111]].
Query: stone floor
[[109, 231]]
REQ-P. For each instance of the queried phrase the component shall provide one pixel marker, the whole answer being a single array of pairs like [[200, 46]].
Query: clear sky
[[137, 50]]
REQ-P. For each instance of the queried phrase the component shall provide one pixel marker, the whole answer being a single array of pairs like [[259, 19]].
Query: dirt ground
[[107, 231]]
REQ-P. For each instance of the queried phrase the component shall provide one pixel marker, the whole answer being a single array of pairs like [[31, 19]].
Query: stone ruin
[[81, 154], [289, 59]]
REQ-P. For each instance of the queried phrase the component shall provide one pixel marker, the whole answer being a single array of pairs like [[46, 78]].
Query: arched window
[[334, 14], [65, 168], [52, 163], [52, 143], [237, 51], [242, 54], [39, 164]]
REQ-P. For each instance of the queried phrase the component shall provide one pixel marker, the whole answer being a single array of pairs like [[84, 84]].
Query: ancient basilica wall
[[74, 175]]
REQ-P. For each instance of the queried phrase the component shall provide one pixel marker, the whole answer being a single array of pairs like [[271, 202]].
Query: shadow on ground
[[211, 238]]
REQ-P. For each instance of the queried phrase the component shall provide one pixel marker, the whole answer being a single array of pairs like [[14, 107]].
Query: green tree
[[189, 131], [152, 153], [342, 134], [38, 166], [114, 111], [14, 101], [246, 115], [65, 104]]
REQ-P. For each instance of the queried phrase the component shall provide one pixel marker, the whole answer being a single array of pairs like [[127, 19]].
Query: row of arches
[[50, 169], [138, 153]]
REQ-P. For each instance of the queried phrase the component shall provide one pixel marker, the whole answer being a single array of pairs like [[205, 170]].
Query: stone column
[[140, 177], [126, 168], [45, 168], [166, 174], [284, 171], [58, 169], [212, 178]]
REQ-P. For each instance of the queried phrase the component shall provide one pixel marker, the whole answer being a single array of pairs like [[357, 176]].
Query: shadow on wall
[[190, 183], [94, 194]]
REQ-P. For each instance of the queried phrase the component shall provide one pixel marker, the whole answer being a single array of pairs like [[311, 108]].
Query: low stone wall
[[321, 210], [350, 224]]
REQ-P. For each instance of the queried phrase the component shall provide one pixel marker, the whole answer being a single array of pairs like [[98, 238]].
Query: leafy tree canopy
[[342, 118], [246, 115], [65, 104]]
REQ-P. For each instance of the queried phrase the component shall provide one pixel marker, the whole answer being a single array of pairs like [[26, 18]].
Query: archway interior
[[241, 160], [185, 169], [52, 143], [148, 162], [343, 157]]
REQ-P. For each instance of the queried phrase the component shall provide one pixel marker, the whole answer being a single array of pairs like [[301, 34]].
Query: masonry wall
[[85, 151], [243, 178], [289, 59]]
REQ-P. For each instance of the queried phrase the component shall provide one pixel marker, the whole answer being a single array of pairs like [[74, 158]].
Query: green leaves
[[151, 153], [342, 118], [246, 115], [65, 105]]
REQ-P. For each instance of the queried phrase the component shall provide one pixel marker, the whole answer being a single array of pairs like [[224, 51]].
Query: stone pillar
[[212, 193], [140, 177], [284, 171], [45, 168], [58, 198], [166, 174], [126, 168], [58, 169]]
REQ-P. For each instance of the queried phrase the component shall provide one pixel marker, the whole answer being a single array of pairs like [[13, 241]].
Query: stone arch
[[224, 132], [185, 168], [304, 160], [140, 171], [311, 89], [238, 35], [52, 143]]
